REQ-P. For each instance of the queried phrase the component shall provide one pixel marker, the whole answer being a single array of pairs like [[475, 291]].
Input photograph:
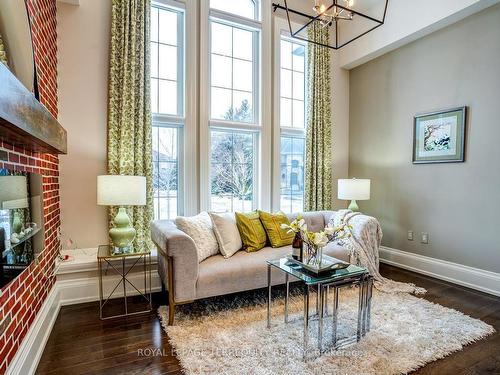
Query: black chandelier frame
[[296, 35]]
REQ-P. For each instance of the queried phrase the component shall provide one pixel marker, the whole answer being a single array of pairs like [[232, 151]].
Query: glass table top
[[309, 278], [107, 252]]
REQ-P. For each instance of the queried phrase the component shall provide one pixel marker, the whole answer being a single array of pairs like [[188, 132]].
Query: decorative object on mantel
[[439, 137], [354, 189], [223, 328], [348, 20], [314, 242], [121, 191]]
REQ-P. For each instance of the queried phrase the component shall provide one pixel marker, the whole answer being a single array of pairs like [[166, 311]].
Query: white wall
[[83, 40]]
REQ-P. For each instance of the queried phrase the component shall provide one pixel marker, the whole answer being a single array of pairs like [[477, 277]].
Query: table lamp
[[354, 189], [121, 191], [13, 196]]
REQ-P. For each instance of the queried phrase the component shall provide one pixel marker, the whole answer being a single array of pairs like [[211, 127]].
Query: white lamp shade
[[15, 203], [357, 189], [13, 190], [114, 190]]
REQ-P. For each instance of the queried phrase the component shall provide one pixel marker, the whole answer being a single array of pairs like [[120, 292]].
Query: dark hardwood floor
[[82, 344]]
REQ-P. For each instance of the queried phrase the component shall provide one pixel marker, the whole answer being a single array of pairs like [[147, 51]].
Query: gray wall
[[458, 204]]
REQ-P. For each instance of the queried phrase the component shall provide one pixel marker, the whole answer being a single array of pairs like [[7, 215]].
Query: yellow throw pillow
[[272, 224], [251, 231]]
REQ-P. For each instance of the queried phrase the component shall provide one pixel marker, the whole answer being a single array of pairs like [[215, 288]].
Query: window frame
[[262, 121], [248, 25], [281, 31], [179, 120]]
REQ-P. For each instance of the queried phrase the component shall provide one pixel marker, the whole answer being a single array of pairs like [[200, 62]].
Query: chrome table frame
[[147, 295], [365, 283]]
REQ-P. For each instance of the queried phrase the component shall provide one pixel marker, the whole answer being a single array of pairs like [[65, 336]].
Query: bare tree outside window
[[232, 164]]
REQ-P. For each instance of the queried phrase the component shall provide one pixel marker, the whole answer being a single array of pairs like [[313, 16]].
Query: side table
[[105, 257]]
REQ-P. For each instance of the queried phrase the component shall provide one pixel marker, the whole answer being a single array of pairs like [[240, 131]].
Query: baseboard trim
[[31, 349], [72, 292], [475, 278], [64, 292]]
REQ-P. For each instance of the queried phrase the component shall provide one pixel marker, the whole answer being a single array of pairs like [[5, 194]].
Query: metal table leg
[[369, 304], [360, 308], [321, 297], [306, 320], [268, 296], [287, 282], [326, 299], [100, 288], [334, 316], [318, 287]]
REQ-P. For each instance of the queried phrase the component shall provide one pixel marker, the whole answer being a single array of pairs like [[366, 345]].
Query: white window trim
[[244, 24], [262, 193], [188, 192], [280, 28]]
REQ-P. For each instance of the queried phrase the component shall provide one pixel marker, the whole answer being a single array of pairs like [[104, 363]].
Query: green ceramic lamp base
[[17, 226], [353, 206], [123, 233]]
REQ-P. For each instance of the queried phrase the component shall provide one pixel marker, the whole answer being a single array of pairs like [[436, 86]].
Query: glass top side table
[[352, 275], [128, 260]]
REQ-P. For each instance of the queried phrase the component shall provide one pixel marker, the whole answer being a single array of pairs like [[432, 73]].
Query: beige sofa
[[187, 280]]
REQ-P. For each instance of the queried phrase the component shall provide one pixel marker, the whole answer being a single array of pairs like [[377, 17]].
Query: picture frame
[[439, 137]]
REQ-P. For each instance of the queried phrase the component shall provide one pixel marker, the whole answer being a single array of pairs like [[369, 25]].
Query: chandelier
[[347, 20]]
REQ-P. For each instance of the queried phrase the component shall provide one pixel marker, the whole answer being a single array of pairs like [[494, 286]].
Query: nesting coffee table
[[352, 275]]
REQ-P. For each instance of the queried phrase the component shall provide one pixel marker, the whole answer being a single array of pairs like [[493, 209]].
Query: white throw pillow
[[227, 233], [199, 228]]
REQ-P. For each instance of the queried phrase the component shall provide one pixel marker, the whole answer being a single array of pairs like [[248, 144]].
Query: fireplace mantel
[[24, 121]]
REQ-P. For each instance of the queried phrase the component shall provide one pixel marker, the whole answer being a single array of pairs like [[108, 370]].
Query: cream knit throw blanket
[[363, 247]]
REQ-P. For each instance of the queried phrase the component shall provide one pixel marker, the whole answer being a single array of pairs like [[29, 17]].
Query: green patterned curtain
[[318, 164], [129, 117], [3, 55]]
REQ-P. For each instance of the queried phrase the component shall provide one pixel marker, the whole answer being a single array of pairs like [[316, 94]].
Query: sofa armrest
[[181, 249]]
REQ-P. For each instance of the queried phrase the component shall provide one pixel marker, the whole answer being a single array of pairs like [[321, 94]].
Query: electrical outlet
[[425, 238], [410, 235]]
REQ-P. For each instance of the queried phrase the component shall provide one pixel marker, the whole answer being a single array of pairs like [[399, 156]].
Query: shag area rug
[[228, 335]]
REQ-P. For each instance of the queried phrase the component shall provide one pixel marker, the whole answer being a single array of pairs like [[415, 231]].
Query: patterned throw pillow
[[251, 231], [272, 224], [199, 228], [227, 233]]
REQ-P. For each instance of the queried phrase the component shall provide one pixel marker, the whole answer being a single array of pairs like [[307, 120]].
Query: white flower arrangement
[[315, 241]]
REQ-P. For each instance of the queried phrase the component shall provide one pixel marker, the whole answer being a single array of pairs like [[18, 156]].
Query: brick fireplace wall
[[22, 299]]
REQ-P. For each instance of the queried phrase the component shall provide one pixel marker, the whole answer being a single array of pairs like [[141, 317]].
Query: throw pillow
[[227, 233], [272, 224], [199, 228], [251, 231]]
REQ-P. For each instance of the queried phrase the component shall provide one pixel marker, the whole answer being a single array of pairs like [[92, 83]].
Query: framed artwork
[[439, 137]]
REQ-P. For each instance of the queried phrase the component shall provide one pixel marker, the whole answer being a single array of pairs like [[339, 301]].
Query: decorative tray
[[327, 263]]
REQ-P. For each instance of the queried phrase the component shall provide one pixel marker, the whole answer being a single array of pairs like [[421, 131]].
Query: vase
[[313, 255]]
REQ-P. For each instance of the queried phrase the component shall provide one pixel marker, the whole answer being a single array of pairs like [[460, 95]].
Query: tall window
[[234, 104], [167, 106], [292, 124]]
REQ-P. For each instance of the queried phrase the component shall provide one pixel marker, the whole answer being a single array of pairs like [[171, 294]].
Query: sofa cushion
[[226, 232], [278, 236], [246, 271], [199, 228], [251, 231]]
